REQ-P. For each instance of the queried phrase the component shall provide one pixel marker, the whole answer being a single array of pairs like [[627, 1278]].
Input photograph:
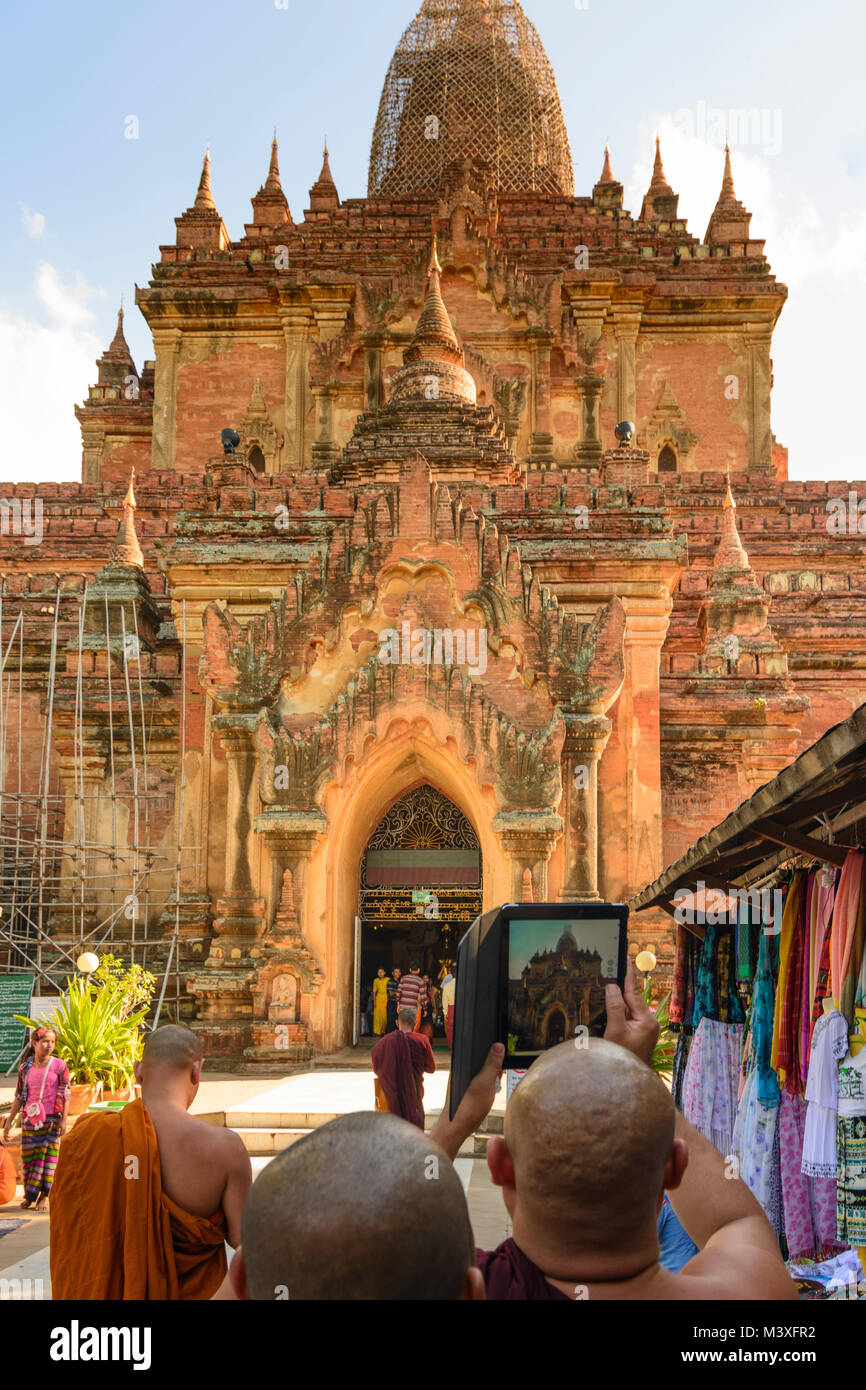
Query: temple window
[[667, 460]]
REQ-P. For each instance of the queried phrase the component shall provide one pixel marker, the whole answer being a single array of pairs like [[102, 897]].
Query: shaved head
[[590, 1131], [172, 1048], [364, 1208]]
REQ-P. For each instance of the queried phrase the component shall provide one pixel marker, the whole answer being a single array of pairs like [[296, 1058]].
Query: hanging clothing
[[848, 922], [680, 1064], [789, 922], [810, 1203], [804, 1006], [822, 988], [787, 1060], [851, 1101], [851, 1180], [829, 1046], [711, 1081], [684, 981], [754, 1141], [822, 915]]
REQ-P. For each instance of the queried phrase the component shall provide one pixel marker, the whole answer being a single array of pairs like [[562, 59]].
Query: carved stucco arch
[[409, 754]]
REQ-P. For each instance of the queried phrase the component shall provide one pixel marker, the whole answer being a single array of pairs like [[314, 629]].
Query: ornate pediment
[[668, 426]]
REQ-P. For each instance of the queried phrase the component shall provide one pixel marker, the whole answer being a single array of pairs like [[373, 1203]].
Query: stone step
[[264, 1143], [244, 1120]]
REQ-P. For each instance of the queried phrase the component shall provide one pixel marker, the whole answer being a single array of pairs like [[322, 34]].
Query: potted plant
[[99, 1030]]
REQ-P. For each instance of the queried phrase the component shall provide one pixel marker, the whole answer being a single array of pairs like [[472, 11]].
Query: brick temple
[[433, 636]]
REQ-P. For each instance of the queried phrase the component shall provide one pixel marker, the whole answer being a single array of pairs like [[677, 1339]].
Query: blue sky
[[87, 208]]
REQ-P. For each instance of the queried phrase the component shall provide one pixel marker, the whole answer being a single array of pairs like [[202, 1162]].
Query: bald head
[[589, 1131], [171, 1049], [363, 1208]]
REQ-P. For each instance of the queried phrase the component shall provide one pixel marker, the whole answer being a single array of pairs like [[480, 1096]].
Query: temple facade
[[425, 631]]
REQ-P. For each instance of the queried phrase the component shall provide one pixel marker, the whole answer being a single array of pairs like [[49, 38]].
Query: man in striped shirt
[[412, 992]]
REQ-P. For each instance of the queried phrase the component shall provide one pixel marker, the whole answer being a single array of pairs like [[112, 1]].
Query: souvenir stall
[[768, 1003]]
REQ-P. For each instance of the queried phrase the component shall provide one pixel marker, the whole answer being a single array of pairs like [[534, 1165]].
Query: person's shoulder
[[725, 1274], [219, 1140]]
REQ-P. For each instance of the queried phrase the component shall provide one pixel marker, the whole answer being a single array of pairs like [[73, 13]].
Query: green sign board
[[16, 993], [420, 896]]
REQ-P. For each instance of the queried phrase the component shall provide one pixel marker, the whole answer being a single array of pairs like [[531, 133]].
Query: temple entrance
[[420, 887], [555, 1029]]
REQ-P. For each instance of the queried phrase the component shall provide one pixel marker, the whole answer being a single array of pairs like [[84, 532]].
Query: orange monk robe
[[115, 1234]]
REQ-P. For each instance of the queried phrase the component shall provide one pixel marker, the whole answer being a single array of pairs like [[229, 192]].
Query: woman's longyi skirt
[[40, 1149]]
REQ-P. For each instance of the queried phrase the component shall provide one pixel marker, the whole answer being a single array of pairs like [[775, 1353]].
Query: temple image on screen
[[556, 980]]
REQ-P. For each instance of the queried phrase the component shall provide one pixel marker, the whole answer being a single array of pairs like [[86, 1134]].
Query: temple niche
[[283, 1007]]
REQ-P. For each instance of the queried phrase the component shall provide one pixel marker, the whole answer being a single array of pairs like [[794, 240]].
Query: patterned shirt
[[57, 1090]]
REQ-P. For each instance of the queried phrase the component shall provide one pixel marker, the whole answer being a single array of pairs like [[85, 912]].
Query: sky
[[87, 207], [525, 938]]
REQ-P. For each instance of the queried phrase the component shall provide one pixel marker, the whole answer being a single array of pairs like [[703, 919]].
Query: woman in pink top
[[42, 1097]]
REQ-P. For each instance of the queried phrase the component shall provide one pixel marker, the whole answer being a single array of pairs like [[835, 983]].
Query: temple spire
[[659, 183], [434, 333], [607, 193], [204, 197], [731, 553], [270, 205], [660, 202], [730, 221], [126, 551], [272, 182], [118, 342], [323, 194]]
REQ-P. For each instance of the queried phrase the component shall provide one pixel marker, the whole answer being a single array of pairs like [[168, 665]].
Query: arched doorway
[[555, 1028], [421, 885]]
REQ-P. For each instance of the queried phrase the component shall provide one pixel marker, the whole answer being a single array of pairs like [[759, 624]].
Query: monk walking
[[400, 1060], [145, 1199]]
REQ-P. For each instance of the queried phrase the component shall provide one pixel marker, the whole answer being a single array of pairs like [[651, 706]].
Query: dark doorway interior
[[420, 888]]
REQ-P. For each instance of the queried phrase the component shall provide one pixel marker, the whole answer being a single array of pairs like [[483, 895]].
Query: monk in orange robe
[[145, 1198]]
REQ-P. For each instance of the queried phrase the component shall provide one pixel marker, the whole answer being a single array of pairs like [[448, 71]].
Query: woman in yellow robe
[[380, 1003]]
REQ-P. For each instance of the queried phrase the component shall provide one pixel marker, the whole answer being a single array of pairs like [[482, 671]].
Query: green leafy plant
[[99, 1022], [666, 1046]]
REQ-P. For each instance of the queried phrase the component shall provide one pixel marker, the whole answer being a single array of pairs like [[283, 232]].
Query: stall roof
[[786, 816]]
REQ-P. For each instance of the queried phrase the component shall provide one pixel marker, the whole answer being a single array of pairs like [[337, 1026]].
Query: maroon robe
[[510, 1276], [400, 1061]]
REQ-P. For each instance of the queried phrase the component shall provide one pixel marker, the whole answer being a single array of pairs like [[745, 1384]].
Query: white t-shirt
[[829, 1045], [852, 1086]]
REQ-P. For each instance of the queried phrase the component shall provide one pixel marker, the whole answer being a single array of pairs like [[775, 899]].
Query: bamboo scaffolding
[[49, 867]]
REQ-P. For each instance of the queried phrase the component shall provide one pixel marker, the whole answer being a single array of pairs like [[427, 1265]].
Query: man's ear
[[500, 1162], [136, 1071], [238, 1277], [195, 1074], [678, 1162]]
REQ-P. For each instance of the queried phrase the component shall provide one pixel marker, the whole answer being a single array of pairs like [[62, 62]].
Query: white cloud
[[34, 222], [44, 369], [816, 345]]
